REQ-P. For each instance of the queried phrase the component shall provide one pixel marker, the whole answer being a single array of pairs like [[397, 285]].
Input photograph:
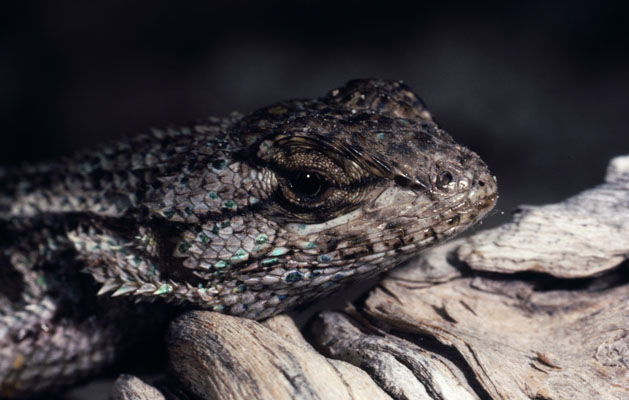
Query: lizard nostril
[[444, 179], [481, 183]]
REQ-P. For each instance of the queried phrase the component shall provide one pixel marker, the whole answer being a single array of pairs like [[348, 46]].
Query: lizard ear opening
[[390, 98]]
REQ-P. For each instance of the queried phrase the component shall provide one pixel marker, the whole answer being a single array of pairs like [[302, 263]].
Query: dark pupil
[[305, 183]]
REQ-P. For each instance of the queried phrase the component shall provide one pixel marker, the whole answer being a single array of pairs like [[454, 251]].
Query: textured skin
[[247, 215]]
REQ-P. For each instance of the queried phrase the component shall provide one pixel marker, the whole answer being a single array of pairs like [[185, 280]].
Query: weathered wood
[[520, 343], [403, 369], [582, 236], [222, 357], [535, 309], [129, 387]]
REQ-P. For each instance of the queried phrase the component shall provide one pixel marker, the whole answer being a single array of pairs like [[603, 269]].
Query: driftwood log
[[537, 308]]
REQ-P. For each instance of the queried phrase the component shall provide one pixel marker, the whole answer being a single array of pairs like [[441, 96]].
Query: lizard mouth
[[418, 227], [401, 222]]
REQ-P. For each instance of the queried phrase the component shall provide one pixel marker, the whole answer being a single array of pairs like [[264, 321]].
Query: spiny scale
[[248, 215]]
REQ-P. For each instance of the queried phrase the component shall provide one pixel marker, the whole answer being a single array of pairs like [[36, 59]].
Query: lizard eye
[[312, 186], [306, 183]]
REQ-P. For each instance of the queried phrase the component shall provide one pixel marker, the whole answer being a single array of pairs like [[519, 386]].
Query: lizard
[[248, 215]]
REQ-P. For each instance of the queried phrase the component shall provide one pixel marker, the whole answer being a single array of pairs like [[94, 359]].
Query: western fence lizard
[[247, 215]]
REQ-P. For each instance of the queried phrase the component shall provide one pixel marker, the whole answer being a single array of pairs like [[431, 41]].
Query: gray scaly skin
[[246, 215]]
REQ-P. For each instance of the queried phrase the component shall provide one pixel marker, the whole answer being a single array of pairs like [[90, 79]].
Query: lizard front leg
[[54, 329]]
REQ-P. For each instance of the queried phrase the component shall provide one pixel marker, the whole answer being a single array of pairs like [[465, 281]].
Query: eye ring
[[444, 179]]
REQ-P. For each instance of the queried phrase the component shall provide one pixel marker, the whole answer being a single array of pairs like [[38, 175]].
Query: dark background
[[539, 89]]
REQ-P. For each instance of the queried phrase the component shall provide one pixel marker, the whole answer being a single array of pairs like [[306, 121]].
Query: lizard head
[[366, 162], [353, 183], [296, 199]]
